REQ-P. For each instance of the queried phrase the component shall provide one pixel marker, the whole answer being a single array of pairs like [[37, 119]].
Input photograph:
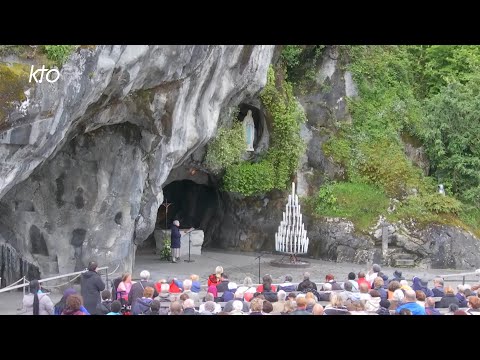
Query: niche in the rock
[[37, 241], [192, 204], [257, 120]]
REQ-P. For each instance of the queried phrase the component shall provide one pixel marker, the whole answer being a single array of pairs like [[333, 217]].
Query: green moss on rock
[[13, 83]]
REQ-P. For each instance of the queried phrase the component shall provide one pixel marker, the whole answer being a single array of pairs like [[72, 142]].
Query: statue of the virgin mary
[[249, 130]]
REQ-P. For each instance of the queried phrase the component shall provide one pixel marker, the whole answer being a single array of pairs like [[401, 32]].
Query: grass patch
[[360, 203]]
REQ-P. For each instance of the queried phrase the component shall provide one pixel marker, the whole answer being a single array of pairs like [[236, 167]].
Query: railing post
[[463, 281], [24, 285], [106, 278]]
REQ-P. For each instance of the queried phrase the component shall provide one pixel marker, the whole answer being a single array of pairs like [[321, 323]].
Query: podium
[[189, 245]]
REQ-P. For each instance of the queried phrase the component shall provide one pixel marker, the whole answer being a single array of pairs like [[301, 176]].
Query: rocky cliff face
[[83, 160], [251, 223]]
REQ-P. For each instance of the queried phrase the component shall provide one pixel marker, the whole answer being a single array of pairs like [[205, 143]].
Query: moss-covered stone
[[13, 83]]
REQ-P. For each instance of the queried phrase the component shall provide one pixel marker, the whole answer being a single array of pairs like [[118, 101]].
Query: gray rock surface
[[96, 147], [324, 105]]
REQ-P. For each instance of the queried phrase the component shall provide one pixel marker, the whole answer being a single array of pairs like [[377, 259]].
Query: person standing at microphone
[[175, 241]]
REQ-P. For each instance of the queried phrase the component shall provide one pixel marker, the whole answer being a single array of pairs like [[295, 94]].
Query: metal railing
[[76, 274], [476, 273]]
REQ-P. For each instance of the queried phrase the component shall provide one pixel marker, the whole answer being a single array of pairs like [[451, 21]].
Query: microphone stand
[[259, 257], [189, 244]]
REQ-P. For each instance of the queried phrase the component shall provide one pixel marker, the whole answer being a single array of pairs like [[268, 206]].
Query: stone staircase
[[403, 260]]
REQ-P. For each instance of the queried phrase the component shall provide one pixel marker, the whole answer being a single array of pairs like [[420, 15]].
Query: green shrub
[[291, 55], [428, 208], [227, 148], [166, 252], [441, 204], [250, 178], [360, 203], [275, 170], [58, 53]]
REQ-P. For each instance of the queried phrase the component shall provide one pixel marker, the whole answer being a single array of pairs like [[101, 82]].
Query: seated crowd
[[359, 294]]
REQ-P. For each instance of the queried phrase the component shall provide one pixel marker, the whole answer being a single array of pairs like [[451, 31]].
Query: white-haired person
[[238, 296], [237, 307], [175, 241], [187, 290], [209, 308], [248, 289], [279, 305], [460, 295], [210, 298], [189, 307], [139, 287], [373, 273], [214, 279], [164, 295]]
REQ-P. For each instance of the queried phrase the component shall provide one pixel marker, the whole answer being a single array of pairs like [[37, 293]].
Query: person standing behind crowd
[[91, 285], [175, 241], [36, 302]]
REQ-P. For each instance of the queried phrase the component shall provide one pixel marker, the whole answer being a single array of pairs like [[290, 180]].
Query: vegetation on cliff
[[274, 169], [427, 93]]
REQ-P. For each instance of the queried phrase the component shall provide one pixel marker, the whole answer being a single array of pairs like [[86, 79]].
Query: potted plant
[[166, 253]]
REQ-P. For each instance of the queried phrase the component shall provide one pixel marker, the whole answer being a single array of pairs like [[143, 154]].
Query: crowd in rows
[[363, 293]]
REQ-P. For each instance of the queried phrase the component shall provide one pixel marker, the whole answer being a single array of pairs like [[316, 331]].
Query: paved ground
[[238, 266]]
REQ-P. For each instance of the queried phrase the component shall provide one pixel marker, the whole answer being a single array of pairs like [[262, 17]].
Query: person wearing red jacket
[[215, 279], [362, 279]]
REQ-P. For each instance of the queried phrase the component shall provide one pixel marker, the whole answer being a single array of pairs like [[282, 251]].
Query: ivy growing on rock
[[275, 169], [227, 148]]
